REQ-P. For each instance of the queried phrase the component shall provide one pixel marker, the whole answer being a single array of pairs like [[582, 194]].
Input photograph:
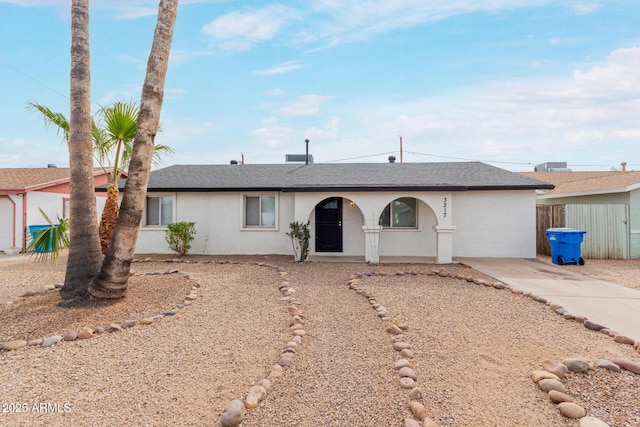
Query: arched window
[[401, 213]]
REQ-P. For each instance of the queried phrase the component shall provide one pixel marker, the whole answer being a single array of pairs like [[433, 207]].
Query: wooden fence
[[547, 216]]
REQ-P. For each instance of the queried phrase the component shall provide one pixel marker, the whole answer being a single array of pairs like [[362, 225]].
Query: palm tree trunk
[[84, 250], [109, 217], [111, 281]]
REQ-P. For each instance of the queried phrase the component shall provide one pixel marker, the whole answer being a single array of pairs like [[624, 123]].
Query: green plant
[[300, 235], [46, 243], [179, 236]]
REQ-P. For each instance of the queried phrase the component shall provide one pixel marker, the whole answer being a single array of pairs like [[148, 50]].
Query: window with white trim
[[159, 210], [401, 213], [260, 211]]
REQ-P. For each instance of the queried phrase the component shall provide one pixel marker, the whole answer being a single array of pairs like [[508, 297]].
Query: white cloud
[[272, 134], [282, 68], [592, 111], [242, 30], [329, 132], [305, 105], [585, 8]]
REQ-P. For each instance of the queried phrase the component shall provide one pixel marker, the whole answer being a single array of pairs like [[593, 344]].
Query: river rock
[[146, 321], [233, 414], [415, 393], [255, 396], [537, 376], [265, 383], [548, 385], [559, 397], [577, 365], [428, 422], [554, 367], [401, 363], [70, 336], [399, 346], [113, 327], [418, 410], [623, 339], [128, 324], [407, 383], [571, 410], [589, 324], [85, 333], [607, 364], [394, 329], [14, 345], [48, 342], [627, 364], [407, 353], [592, 422], [37, 341], [409, 422], [285, 360], [408, 373]]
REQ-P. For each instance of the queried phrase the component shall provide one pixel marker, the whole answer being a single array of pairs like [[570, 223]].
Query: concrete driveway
[[616, 307]]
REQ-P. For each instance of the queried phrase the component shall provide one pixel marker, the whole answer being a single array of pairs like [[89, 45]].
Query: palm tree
[[113, 131], [84, 251], [111, 281]]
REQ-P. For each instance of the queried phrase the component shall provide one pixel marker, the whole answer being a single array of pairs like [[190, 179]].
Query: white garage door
[[6, 223]]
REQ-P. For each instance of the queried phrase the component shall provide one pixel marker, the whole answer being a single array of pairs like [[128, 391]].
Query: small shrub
[[179, 236], [300, 235]]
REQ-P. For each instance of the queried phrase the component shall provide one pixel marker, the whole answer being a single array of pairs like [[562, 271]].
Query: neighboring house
[[24, 190], [362, 211], [605, 204]]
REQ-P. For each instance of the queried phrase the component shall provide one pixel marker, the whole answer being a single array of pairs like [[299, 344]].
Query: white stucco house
[[24, 190], [372, 212]]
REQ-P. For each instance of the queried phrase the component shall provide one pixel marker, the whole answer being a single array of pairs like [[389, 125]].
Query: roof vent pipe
[[234, 162], [306, 157], [392, 159], [51, 165], [624, 166]]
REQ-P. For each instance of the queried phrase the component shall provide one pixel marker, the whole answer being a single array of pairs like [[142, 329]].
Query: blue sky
[[513, 83]]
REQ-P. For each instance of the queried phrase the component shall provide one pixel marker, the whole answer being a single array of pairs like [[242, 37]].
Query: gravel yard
[[473, 347]]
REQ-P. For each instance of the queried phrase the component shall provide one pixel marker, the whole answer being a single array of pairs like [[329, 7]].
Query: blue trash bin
[[34, 230], [565, 245]]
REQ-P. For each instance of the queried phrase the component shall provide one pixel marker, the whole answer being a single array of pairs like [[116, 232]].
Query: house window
[[260, 211], [401, 213], [159, 210]]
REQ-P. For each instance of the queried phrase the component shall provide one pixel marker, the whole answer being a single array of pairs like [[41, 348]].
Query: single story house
[[605, 204], [24, 190], [370, 212]]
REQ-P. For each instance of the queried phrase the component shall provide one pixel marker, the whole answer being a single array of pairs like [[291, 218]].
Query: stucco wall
[[219, 231], [488, 223], [494, 224]]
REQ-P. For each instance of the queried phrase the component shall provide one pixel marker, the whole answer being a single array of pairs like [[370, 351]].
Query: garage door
[[6, 223]]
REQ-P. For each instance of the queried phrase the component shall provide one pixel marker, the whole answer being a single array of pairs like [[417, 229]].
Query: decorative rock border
[[548, 379], [87, 332], [235, 410]]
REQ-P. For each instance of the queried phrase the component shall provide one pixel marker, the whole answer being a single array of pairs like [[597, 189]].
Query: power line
[[360, 157], [470, 160], [31, 78]]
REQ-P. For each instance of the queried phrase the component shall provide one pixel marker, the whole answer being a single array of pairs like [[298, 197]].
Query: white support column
[[444, 243], [371, 243]]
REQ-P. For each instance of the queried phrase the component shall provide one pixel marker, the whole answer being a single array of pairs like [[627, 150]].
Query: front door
[[329, 225]]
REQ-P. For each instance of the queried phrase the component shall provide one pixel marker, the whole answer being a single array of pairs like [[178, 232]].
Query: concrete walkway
[[616, 307]]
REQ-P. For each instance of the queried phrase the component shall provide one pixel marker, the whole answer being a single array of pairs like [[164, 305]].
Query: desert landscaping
[[331, 344]]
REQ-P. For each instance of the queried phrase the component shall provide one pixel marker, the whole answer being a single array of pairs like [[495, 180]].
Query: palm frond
[[52, 118], [47, 242]]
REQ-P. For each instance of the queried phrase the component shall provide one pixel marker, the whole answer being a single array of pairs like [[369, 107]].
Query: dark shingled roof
[[452, 176]]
